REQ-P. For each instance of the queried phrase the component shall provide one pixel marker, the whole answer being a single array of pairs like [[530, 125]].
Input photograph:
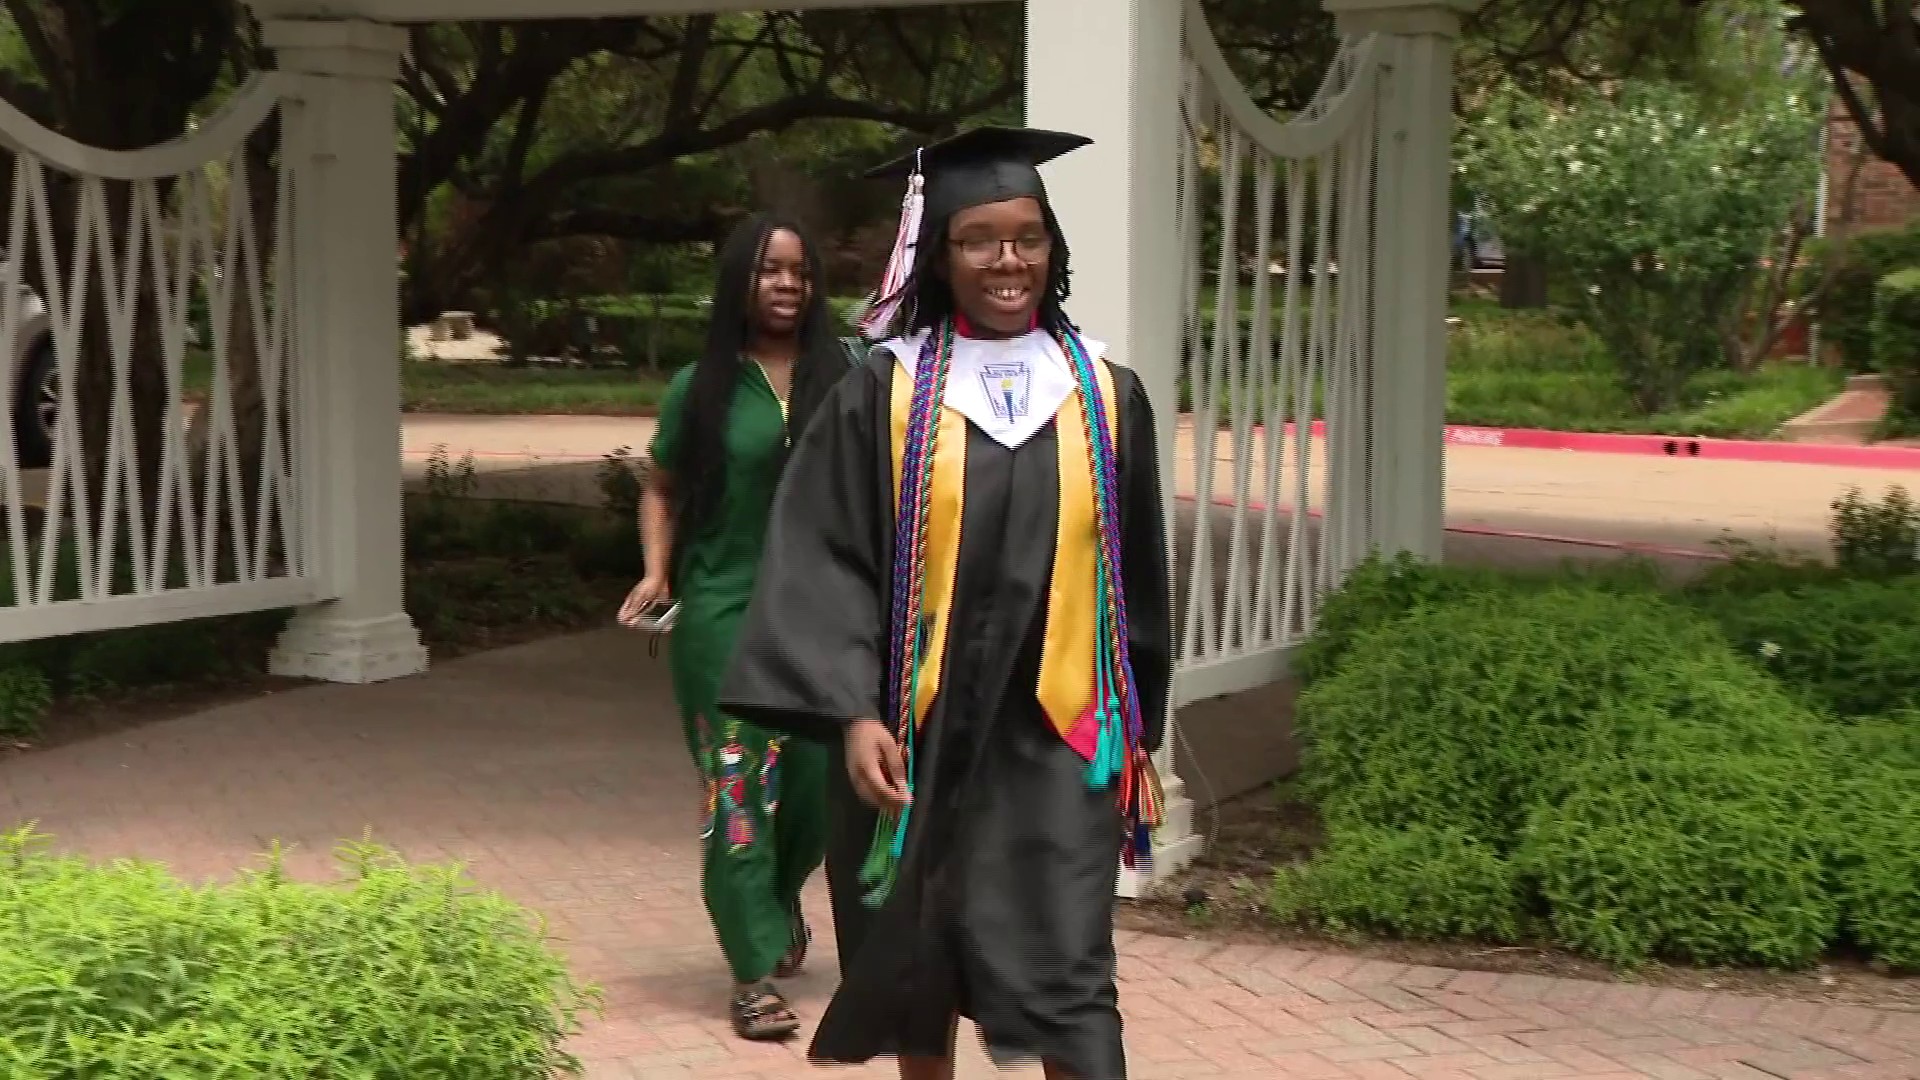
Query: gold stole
[[1066, 684]]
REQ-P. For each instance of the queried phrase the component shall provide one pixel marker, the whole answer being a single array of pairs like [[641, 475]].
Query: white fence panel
[[1277, 225], [170, 272]]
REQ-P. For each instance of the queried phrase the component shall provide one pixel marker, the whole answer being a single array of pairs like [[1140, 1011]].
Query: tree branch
[[694, 45], [775, 116], [636, 227]]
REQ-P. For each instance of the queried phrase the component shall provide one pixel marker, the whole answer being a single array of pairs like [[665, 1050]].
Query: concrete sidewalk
[[555, 769], [1675, 503]]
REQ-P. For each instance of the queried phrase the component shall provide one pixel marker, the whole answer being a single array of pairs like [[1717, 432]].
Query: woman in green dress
[[725, 427]]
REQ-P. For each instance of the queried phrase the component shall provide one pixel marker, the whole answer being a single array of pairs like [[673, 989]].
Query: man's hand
[[875, 765]]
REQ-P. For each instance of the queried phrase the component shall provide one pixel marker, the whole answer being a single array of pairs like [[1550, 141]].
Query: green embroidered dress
[[764, 822]]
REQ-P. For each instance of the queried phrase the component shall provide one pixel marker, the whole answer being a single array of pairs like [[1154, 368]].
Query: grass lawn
[[1505, 369], [1528, 369], [427, 386]]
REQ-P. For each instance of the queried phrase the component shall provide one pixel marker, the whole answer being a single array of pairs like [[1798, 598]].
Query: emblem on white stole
[[1009, 389]]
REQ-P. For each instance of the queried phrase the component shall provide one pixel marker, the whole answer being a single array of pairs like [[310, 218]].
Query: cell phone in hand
[[658, 617]]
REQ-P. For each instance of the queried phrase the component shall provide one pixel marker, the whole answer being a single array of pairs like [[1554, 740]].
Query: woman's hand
[[875, 765], [651, 590]]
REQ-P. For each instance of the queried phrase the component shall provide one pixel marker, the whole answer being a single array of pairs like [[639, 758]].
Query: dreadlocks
[[930, 297]]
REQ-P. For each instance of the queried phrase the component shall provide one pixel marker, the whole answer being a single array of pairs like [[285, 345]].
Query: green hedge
[[1847, 647], [1896, 342], [1856, 263], [1720, 774], [122, 972], [1876, 858], [670, 326]]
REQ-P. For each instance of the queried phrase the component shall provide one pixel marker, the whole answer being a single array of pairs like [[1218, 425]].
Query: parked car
[[34, 398]]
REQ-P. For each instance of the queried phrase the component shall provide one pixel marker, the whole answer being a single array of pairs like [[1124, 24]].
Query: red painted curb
[[1680, 446], [1675, 446]]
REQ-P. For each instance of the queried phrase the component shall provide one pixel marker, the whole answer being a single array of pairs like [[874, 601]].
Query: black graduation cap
[[976, 167], [982, 165]]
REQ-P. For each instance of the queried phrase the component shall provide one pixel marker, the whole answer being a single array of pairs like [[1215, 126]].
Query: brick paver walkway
[[555, 769]]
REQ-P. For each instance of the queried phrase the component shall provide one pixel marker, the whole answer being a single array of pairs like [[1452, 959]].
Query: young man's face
[[997, 261]]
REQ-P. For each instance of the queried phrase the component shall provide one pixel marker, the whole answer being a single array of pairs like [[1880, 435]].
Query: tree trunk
[[1523, 284]]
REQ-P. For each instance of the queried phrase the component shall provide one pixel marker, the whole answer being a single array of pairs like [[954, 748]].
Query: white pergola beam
[[426, 11]]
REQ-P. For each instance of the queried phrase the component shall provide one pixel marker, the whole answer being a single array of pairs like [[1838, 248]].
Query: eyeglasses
[[983, 251]]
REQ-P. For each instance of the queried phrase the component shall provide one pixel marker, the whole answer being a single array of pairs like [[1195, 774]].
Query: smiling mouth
[[1011, 295]]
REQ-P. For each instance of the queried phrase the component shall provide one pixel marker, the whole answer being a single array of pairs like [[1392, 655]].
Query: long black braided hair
[[700, 467]]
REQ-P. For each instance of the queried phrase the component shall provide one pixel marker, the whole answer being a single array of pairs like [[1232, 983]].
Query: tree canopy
[[661, 130]]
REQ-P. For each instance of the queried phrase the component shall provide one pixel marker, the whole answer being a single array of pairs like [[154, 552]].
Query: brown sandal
[[762, 1014]]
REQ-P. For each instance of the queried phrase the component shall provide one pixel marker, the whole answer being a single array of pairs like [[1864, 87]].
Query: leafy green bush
[[25, 696], [1657, 792], [1896, 343], [618, 478], [1855, 265], [607, 548], [1534, 370], [1877, 539], [513, 529], [1677, 840], [141, 656], [1658, 200], [1851, 647], [1379, 591], [1876, 856], [122, 971], [1418, 882], [1466, 714]]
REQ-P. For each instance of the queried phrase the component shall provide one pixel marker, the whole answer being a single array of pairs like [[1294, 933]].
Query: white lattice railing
[[151, 469], [1277, 230]]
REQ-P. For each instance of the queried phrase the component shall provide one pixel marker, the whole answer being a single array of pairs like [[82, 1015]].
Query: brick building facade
[[1884, 196]]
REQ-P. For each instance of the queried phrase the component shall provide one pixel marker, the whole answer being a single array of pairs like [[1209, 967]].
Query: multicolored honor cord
[[1118, 756]]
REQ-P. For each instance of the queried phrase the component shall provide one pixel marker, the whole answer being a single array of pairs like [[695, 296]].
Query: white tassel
[[885, 303]]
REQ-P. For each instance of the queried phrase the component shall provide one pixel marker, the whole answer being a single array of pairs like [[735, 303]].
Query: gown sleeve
[[1144, 565], [810, 653]]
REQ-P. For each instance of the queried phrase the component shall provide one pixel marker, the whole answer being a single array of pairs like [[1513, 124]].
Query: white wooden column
[[1110, 70], [1408, 377], [339, 139]]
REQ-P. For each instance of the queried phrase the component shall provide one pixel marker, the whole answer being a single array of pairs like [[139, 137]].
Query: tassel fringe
[[885, 303]]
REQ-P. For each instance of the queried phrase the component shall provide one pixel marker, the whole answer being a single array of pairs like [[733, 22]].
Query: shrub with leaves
[[1656, 200], [122, 972], [1465, 714], [1851, 268], [1380, 591], [1876, 852], [1896, 343], [618, 478], [1707, 842], [1850, 647], [1657, 793], [25, 696], [1877, 539], [1418, 882]]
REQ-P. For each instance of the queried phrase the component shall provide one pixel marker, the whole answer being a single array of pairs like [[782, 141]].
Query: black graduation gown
[[1002, 910]]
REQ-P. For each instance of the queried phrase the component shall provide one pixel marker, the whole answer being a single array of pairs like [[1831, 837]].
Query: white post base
[[1175, 846], [320, 645]]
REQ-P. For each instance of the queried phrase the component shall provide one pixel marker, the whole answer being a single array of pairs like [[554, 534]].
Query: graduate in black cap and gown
[[965, 593]]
